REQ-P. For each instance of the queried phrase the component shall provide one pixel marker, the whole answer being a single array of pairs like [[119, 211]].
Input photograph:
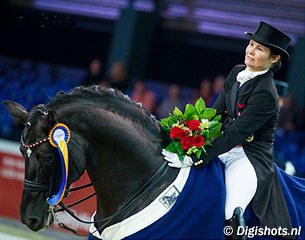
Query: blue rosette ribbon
[[59, 137]]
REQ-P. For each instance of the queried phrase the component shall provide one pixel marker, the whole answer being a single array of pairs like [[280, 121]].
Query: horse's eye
[[28, 124]]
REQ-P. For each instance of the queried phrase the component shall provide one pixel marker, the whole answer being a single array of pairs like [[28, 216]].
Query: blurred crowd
[[158, 103], [32, 83]]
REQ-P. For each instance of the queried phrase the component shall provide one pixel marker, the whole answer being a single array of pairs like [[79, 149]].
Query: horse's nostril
[[34, 223], [33, 220]]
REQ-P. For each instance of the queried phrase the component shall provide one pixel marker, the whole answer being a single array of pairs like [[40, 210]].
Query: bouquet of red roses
[[190, 132]]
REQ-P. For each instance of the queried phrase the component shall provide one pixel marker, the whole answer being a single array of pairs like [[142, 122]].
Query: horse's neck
[[136, 201], [124, 157]]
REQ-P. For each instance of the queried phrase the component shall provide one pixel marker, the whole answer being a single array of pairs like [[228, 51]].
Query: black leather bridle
[[31, 186]]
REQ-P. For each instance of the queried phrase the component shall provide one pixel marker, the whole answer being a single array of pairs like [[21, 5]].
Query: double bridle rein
[[31, 186]]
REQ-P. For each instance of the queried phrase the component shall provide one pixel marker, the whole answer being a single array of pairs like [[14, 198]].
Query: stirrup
[[236, 221]]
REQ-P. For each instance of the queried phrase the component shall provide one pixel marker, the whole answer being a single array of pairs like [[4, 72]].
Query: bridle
[[31, 186]]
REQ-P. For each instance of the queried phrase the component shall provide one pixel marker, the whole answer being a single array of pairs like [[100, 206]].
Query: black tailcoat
[[252, 123]]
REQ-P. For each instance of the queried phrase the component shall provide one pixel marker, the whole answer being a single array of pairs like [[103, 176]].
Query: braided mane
[[111, 100]]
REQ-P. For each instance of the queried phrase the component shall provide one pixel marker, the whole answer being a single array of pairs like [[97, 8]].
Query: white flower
[[205, 123], [177, 124]]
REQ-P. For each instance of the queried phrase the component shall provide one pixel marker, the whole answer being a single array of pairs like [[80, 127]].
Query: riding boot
[[237, 220]]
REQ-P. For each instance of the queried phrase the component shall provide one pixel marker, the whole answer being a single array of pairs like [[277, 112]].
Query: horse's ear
[[16, 110], [52, 118]]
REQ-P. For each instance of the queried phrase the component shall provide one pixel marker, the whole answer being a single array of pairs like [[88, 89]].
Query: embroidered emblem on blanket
[[170, 197]]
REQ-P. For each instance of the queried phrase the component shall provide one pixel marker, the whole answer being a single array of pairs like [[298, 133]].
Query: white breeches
[[240, 180]]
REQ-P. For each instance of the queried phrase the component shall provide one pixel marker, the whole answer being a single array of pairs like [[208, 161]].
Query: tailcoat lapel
[[247, 87], [234, 93]]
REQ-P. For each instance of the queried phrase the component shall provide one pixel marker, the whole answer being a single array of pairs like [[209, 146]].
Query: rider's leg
[[241, 183]]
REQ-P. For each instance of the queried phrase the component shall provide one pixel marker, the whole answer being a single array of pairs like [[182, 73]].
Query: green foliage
[[189, 112], [200, 106], [210, 127]]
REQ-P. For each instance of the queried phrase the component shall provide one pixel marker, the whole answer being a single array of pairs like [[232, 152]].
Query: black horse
[[117, 141], [119, 144]]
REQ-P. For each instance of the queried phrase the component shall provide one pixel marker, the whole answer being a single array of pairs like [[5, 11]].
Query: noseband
[[34, 186]]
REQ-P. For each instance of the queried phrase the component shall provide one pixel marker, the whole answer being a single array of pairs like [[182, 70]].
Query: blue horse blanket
[[198, 212]]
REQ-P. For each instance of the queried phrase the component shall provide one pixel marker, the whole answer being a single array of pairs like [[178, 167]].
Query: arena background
[[47, 45]]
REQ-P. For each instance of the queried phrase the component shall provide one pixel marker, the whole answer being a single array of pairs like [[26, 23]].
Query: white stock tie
[[246, 75]]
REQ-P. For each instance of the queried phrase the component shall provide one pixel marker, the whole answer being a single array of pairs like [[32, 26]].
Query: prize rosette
[[59, 137]]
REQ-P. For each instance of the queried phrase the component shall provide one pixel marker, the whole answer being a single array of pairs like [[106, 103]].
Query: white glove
[[173, 160]]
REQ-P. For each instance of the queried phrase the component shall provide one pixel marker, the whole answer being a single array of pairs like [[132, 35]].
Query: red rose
[[198, 141], [176, 132], [193, 125], [186, 142]]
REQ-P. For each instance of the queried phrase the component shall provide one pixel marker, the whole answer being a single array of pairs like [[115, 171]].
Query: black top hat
[[269, 36]]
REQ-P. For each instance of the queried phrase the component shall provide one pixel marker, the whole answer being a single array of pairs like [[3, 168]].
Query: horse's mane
[[111, 99]]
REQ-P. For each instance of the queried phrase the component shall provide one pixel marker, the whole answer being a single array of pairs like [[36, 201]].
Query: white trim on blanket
[[153, 212]]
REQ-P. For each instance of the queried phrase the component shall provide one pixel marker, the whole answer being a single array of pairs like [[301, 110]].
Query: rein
[[40, 187]]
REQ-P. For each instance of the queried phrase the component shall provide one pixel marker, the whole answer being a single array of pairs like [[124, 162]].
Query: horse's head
[[42, 169]]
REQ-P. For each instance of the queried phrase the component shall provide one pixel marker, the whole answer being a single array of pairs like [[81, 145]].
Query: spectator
[[217, 87], [143, 95], [289, 114], [94, 75], [117, 77], [205, 92], [173, 100]]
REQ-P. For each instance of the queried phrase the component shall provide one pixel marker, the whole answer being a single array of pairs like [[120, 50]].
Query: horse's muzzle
[[33, 222], [36, 223]]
